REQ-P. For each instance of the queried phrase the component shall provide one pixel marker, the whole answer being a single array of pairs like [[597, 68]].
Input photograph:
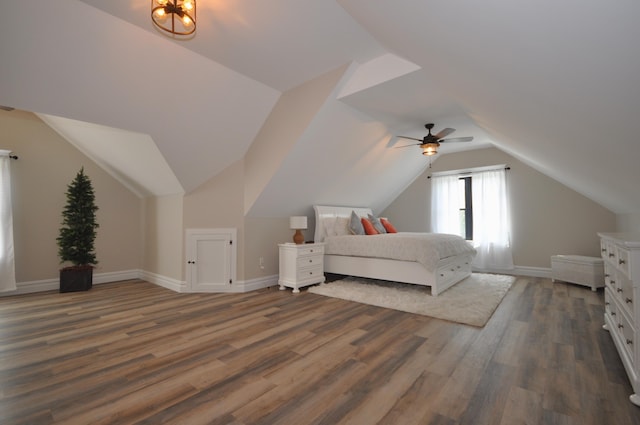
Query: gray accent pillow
[[355, 225], [377, 224]]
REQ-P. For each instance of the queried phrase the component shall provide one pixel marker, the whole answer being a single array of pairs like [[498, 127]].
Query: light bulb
[[186, 20], [161, 2], [187, 5], [160, 13]]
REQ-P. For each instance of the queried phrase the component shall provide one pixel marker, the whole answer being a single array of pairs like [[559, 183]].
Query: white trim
[[237, 287], [54, 284], [164, 281], [247, 286], [543, 272], [469, 170], [260, 283]]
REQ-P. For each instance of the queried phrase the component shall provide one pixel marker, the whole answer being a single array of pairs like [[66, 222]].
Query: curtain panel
[[7, 261], [445, 204], [491, 221]]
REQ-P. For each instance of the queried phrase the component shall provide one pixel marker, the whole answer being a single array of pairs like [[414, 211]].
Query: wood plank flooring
[[134, 353]]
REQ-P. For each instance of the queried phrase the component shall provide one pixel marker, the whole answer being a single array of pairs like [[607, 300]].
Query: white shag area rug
[[470, 302]]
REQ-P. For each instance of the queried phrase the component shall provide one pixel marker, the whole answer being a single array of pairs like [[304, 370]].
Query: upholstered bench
[[587, 271]]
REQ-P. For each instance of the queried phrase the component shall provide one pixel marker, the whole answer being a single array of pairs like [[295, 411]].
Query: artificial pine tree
[[78, 234]]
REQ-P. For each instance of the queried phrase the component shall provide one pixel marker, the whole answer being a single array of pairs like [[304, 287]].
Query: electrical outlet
[[261, 263]]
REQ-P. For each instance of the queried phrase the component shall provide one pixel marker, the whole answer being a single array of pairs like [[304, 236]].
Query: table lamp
[[298, 223]]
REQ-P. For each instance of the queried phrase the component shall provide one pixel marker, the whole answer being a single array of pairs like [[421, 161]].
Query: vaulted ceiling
[[555, 84]]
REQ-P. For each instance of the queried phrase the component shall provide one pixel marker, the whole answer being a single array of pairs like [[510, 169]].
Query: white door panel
[[211, 259]]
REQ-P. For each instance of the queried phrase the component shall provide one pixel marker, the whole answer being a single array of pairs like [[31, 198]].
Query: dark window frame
[[468, 208]]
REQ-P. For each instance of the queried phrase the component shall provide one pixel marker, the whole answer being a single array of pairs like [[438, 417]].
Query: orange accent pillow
[[388, 226], [368, 227]]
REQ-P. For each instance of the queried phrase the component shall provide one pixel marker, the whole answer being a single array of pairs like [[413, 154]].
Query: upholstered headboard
[[323, 212]]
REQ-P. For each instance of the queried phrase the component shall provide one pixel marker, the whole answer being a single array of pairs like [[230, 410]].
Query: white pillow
[[341, 227], [336, 226], [329, 224]]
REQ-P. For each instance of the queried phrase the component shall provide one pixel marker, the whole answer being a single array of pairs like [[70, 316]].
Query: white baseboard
[[164, 281], [54, 284], [237, 287], [544, 272], [521, 271], [258, 283]]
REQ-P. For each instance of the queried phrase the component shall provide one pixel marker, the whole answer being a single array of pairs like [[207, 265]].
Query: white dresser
[[301, 265], [621, 255]]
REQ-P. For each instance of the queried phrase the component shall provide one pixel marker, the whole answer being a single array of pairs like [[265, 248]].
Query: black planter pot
[[77, 278]]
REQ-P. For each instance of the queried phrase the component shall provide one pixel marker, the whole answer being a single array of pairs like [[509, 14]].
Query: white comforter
[[425, 248]]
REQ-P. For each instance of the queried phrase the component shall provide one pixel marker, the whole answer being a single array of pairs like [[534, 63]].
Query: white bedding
[[425, 248]]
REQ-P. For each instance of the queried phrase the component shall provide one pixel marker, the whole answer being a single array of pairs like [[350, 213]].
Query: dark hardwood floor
[[134, 353]]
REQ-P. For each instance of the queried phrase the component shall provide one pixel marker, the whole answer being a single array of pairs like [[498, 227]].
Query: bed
[[438, 266]]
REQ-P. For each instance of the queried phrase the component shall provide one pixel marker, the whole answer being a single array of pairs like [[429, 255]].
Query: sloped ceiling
[[556, 84]]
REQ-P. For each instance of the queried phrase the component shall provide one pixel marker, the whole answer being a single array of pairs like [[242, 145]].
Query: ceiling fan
[[430, 143]]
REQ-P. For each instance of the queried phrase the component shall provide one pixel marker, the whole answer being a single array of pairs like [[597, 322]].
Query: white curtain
[[7, 264], [491, 222], [445, 204]]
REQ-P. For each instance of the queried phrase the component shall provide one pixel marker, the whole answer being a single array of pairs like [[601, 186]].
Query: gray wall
[[547, 217], [46, 165]]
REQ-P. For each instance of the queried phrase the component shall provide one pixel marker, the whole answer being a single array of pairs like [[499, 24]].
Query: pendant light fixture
[[174, 16]]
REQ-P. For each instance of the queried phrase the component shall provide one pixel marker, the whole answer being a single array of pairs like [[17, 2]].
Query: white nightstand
[[301, 265]]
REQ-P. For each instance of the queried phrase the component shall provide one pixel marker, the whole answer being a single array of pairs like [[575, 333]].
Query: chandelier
[[174, 16]]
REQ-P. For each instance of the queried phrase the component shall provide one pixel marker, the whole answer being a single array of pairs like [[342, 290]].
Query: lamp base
[[298, 237]]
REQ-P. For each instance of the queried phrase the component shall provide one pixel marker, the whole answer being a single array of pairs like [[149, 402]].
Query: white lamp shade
[[298, 222]]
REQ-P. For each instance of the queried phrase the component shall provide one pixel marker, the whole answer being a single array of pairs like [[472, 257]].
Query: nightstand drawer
[[311, 249], [309, 273], [312, 260]]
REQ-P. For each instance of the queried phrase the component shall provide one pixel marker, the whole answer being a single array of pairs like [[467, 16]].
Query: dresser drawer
[[627, 332], [609, 276], [624, 292], [610, 308], [622, 260]]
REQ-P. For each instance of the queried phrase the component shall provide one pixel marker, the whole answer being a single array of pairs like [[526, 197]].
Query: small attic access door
[[211, 259]]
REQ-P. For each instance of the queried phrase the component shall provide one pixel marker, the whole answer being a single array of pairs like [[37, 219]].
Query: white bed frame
[[448, 272]]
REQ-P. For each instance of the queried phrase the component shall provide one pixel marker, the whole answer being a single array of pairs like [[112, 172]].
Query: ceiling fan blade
[[444, 133], [410, 138], [406, 146], [458, 139]]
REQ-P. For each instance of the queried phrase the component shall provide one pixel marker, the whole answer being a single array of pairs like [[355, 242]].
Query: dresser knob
[[620, 326], [629, 300], [610, 255], [621, 261], [607, 303], [603, 249], [629, 342], [613, 313], [619, 290]]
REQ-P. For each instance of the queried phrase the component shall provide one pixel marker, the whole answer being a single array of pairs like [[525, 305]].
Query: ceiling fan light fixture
[[176, 17], [430, 149]]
